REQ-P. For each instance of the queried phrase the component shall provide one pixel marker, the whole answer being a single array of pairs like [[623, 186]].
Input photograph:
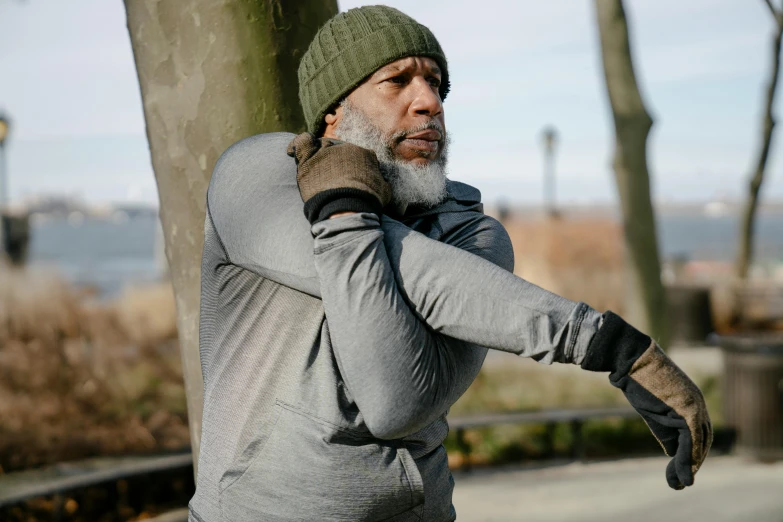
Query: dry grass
[[509, 383], [78, 378]]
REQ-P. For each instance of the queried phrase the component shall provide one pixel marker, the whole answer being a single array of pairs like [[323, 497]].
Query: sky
[[68, 82]]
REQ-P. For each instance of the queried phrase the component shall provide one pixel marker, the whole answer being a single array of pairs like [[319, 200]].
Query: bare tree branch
[[767, 127], [777, 14], [772, 8]]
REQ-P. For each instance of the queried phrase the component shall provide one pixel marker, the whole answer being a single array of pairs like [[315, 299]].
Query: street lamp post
[[550, 138], [4, 128]]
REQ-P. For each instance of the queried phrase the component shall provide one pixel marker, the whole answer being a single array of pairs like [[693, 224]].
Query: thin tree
[[211, 73], [767, 127], [646, 299]]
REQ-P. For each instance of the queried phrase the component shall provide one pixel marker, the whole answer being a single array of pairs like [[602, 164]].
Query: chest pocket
[[310, 469]]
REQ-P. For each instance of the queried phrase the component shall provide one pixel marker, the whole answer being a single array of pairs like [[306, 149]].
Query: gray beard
[[411, 184]]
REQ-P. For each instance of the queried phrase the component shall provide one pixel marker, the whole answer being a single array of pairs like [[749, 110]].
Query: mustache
[[435, 125]]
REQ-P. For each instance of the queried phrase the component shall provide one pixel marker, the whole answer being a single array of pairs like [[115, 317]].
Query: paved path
[[728, 489]]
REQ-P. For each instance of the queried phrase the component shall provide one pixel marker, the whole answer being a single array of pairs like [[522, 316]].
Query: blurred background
[[91, 363]]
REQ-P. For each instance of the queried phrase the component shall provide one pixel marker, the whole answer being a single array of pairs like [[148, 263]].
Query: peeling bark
[[211, 73]]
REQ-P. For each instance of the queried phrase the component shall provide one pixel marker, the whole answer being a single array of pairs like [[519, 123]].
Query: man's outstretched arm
[[667, 399]]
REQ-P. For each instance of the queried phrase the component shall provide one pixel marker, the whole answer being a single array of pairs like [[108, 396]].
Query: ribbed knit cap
[[353, 45]]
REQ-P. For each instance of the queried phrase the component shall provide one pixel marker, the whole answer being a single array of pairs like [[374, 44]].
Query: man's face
[[402, 100], [397, 113]]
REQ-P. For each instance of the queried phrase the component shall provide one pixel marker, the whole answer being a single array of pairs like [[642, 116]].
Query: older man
[[350, 292]]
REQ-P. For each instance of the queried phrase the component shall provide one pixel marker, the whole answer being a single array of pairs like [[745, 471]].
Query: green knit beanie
[[353, 45]]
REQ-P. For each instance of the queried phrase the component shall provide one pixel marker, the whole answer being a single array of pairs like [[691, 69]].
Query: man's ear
[[332, 120]]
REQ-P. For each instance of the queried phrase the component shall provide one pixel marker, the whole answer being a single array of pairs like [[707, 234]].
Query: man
[[336, 334]]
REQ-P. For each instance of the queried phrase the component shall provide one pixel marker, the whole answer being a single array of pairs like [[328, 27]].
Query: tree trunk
[[646, 298], [211, 73], [754, 187]]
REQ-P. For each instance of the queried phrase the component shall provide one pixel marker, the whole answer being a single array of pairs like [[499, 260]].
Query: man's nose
[[426, 101]]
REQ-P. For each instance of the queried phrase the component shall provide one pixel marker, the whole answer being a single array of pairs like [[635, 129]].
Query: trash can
[[690, 314], [753, 392]]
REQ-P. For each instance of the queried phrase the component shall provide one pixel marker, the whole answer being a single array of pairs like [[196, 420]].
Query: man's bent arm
[[395, 360], [256, 209]]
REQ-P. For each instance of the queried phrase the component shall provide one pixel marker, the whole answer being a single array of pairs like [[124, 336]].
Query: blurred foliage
[[81, 378]]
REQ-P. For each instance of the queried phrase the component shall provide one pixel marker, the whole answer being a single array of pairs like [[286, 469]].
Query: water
[[102, 254], [109, 255], [698, 237]]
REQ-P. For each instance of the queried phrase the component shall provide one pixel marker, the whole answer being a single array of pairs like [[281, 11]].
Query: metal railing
[[22, 485]]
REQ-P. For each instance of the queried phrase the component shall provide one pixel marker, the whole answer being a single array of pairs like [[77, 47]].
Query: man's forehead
[[411, 62]]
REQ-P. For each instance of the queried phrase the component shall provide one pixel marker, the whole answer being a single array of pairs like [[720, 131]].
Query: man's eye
[[397, 79], [435, 82]]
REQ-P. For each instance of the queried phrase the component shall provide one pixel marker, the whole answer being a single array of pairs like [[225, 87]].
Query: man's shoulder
[[259, 144], [246, 155], [250, 168]]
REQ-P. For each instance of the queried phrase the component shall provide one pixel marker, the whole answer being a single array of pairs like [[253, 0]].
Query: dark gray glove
[[335, 176], [669, 402]]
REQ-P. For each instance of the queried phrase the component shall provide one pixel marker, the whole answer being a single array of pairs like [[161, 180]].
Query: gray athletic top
[[332, 353]]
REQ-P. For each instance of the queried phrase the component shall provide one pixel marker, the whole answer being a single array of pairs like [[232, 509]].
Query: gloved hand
[[669, 402], [335, 176]]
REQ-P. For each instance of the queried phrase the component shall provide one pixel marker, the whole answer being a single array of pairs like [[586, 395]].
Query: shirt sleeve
[[393, 298]]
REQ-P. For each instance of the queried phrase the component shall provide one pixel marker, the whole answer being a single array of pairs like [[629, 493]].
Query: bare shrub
[[80, 378]]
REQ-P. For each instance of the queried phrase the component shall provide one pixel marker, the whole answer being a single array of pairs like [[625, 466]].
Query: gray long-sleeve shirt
[[331, 354]]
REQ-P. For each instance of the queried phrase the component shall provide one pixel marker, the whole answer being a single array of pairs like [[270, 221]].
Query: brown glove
[[669, 402], [334, 176]]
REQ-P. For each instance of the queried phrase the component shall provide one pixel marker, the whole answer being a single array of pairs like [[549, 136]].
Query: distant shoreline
[[60, 209], [612, 211]]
